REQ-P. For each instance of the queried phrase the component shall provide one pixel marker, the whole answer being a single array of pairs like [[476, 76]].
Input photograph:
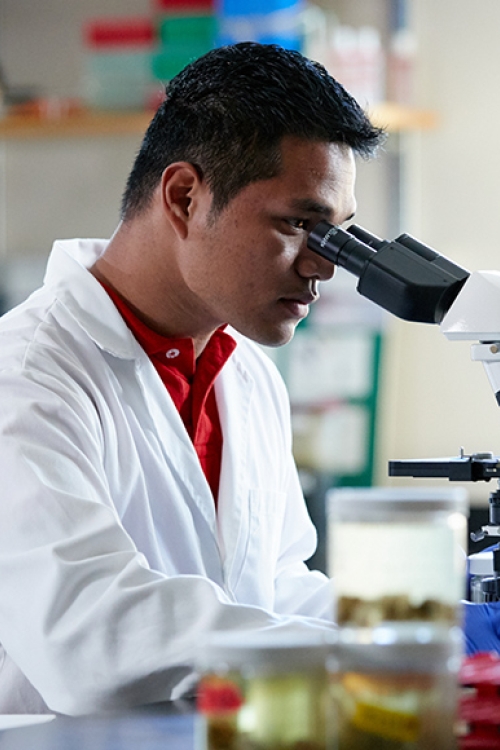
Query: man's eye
[[299, 223]]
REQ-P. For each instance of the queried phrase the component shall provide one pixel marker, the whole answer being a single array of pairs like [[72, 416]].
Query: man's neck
[[131, 267]]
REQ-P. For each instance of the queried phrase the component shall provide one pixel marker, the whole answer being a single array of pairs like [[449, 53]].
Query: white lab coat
[[113, 561]]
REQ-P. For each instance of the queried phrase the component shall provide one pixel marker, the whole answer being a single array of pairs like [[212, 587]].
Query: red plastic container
[[479, 707], [119, 32], [183, 6]]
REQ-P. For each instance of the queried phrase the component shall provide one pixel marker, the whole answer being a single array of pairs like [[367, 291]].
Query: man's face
[[249, 266]]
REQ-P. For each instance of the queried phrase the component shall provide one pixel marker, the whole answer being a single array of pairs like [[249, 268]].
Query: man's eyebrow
[[308, 205]]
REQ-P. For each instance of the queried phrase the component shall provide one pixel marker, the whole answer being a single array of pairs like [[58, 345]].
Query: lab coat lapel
[[179, 450], [233, 389]]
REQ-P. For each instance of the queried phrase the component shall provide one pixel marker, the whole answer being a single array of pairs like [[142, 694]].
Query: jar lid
[[426, 648], [359, 503], [265, 651]]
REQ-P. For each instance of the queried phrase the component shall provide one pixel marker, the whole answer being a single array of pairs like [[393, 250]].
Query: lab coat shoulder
[[46, 378]]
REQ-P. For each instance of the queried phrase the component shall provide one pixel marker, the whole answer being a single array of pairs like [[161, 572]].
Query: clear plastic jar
[[397, 554], [395, 693], [263, 692], [480, 569]]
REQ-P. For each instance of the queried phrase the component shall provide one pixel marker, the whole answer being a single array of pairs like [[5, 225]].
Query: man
[[149, 493]]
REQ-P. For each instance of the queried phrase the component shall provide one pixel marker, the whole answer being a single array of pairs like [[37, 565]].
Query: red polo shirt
[[190, 383]]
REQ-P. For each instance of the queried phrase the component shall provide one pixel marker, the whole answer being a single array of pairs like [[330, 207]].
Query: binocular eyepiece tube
[[404, 276]]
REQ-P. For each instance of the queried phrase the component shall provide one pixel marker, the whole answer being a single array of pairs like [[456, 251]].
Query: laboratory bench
[[160, 728], [149, 730]]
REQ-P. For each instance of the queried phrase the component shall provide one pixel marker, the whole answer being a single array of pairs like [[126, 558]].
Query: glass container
[[263, 692], [397, 555], [394, 692]]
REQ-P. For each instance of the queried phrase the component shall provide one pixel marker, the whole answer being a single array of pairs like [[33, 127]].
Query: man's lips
[[306, 298], [299, 304]]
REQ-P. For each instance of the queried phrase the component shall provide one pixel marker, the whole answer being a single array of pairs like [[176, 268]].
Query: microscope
[[415, 283]]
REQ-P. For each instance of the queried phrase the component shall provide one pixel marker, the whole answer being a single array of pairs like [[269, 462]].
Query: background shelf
[[85, 124], [88, 123]]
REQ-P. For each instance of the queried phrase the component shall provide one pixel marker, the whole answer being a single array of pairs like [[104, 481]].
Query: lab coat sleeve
[[81, 613]]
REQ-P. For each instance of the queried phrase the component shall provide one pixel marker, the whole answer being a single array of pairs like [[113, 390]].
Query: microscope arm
[[475, 316]]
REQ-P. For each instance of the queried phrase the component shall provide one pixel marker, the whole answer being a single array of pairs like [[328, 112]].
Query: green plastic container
[[169, 61], [197, 29]]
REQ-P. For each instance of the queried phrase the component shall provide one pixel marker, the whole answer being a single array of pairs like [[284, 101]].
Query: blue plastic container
[[265, 21]]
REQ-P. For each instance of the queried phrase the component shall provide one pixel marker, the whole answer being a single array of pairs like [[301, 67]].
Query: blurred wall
[[435, 398]]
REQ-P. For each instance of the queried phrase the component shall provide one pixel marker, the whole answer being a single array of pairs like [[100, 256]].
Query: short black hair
[[228, 111]]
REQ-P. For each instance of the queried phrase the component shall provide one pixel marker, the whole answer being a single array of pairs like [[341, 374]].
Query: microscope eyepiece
[[340, 246]]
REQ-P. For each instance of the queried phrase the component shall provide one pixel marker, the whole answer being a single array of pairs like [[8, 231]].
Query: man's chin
[[272, 339]]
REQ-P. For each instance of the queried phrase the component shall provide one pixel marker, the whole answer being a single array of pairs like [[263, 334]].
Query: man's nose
[[311, 265]]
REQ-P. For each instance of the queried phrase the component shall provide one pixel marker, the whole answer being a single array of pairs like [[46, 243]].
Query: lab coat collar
[[67, 273]]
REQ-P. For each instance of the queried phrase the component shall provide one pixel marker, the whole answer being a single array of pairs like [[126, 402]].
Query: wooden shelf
[[92, 124], [84, 124], [396, 118]]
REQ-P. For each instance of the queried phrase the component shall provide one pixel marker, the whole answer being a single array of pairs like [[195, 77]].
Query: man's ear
[[180, 184]]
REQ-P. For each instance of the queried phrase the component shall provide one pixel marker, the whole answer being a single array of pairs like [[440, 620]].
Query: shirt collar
[[173, 351]]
